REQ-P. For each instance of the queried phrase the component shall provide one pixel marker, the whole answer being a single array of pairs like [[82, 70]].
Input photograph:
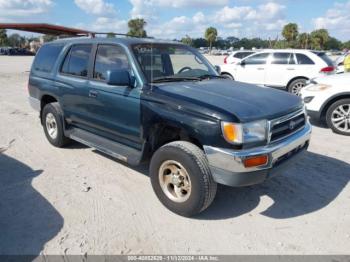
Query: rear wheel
[[181, 178], [52, 119], [338, 117], [295, 86]]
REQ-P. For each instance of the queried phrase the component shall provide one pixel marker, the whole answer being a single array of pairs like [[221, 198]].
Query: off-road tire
[[54, 108], [193, 159]]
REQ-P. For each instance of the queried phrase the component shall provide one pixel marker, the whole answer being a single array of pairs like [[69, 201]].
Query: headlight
[[317, 87], [244, 133]]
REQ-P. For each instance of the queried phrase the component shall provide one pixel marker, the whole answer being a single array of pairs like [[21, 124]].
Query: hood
[[334, 80], [245, 101]]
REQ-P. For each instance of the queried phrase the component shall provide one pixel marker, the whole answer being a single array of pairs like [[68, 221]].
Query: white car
[[237, 56], [328, 99], [288, 68]]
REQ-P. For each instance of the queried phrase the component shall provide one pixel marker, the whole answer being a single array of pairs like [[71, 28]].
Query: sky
[[170, 19]]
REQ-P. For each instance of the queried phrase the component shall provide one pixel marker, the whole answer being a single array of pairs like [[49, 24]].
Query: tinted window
[[76, 62], [258, 59], [46, 57], [325, 58], [304, 60], [109, 57], [283, 59], [242, 55]]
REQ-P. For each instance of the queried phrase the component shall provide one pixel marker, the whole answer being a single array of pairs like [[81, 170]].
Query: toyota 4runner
[[143, 99]]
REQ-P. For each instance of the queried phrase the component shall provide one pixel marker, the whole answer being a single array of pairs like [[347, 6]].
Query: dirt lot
[[76, 200]]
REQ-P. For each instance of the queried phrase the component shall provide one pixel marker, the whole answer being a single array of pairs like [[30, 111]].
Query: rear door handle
[[291, 69], [261, 68], [93, 93]]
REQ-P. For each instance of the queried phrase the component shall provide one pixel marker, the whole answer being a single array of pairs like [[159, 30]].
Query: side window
[[258, 59], [77, 61], [242, 55], [282, 59], [46, 57], [304, 60], [109, 57]]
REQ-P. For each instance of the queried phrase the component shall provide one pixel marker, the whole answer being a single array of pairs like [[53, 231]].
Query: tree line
[[317, 40], [292, 38]]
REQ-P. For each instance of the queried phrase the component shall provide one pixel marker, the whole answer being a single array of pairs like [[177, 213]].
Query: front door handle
[[261, 68], [291, 69], [93, 93]]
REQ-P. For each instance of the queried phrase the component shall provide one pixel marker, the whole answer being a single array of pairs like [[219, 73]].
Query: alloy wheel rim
[[174, 181], [297, 87], [341, 118], [51, 125]]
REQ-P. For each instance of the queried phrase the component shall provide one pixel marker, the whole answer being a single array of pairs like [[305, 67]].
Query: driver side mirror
[[242, 63], [119, 78]]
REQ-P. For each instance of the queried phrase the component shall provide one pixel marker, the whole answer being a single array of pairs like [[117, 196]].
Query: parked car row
[[11, 51]]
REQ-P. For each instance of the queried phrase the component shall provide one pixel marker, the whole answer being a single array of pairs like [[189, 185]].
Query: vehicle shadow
[[318, 123], [309, 185], [27, 220]]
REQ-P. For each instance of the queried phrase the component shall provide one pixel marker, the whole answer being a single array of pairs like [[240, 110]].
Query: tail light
[[225, 60], [327, 70]]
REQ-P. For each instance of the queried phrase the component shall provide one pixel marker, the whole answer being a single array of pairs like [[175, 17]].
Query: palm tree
[[136, 27], [210, 34], [304, 40], [290, 33], [319, 38]]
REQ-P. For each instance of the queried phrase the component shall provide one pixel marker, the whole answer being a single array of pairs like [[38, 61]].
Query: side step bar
[[109, 147]]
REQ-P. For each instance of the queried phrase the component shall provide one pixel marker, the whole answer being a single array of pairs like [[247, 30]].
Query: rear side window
[[283, 59], [109, 57], [304, 60], [46, 57], [258, 59], [325, 58], [77, 61]]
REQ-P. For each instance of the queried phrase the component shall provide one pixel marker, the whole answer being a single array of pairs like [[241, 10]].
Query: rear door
[[305, 66], [72, 83], [253, 69], [281, 69]]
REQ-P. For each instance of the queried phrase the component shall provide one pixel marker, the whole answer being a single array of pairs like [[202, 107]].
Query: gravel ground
[[76, 200]]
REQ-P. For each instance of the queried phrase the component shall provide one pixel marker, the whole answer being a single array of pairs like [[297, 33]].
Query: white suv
[[288, 68], [328, 99]]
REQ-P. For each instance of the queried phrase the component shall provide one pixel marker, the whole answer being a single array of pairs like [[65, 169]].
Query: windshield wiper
[[211, 77], [175, 79]]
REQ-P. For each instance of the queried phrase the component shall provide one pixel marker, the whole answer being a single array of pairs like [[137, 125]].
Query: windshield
[[166, 62]]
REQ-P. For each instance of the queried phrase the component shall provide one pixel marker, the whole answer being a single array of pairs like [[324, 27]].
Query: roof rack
[[92, 34]]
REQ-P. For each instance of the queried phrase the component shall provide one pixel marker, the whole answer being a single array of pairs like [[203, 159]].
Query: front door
[[253, 69], [115, 109]]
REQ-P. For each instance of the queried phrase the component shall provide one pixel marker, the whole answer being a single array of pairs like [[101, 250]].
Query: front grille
[[286, 126]]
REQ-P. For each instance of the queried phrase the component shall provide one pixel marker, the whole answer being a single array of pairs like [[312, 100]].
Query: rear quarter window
[[47, 57], [304, 60], [325, 58]]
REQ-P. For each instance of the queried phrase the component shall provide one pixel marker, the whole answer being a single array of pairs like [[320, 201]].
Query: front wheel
[[338, 117], [181, 178]]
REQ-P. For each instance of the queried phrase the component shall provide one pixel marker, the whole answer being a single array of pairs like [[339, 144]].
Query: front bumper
[[227, 166]]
